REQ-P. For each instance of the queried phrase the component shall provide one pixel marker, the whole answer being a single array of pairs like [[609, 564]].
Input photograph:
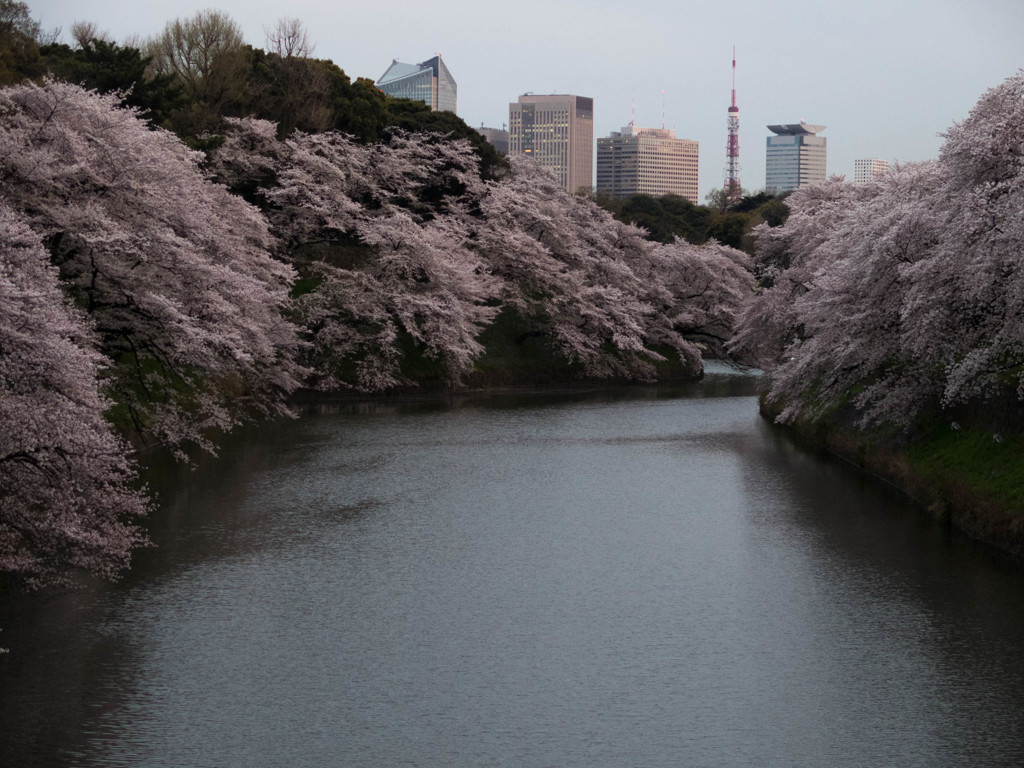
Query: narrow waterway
[[646, 578]]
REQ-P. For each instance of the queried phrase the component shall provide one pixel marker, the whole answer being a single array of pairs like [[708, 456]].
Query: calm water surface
[[652, 578]]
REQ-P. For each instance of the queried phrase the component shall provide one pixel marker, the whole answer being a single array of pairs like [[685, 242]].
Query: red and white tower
[[732, 148]]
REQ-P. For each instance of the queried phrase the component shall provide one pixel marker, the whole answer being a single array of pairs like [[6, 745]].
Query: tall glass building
[[647, 161], [795, 157], [429, 82], [558, 132]]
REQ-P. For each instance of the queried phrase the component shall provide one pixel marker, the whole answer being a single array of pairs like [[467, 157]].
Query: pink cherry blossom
[[174, 272], [904, 294], [68, 495]]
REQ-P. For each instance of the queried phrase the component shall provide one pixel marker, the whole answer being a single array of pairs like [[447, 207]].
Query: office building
[[558, 132], [869, 169], [647, 161], [429, 82], [795, 157], [498, 138]]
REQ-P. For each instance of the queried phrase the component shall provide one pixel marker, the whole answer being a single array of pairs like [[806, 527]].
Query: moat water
[[652, 577]]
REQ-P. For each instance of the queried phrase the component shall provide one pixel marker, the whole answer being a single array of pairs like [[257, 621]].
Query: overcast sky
[[885, 76]]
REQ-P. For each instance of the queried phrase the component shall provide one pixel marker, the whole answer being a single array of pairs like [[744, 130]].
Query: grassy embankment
[[968, 476]]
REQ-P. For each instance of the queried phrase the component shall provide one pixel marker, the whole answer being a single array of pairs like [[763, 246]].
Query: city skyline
[[882, 75]]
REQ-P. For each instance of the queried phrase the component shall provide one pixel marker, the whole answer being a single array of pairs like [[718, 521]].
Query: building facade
[[795, 157], [558, 132], [869, 169], [647, 161], [498, 138], [429, 82]]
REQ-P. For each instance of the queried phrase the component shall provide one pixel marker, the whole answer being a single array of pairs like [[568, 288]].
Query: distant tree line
[[199, 71], [665, 218]]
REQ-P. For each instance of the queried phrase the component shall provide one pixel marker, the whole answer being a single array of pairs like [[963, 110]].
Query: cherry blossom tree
[[698, 293], [787, 258], [408, 250], [68, 495], [608, 299], [377, 230], [556, 256], [853, 331], [977, 271], [905, 294], [174, 272]]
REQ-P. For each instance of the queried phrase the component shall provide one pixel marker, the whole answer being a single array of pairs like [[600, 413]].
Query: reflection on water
[[649, 577]]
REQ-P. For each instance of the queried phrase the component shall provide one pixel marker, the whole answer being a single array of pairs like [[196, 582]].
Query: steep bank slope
[[968, 477]]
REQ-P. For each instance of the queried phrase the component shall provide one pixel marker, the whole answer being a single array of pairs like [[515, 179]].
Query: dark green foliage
[[314, 96], [304, 285], [666, 218], [670, 216], [760, 208], [19, 47], [418, 366], [311, 95], [106, 67], [360, 110], [773, 211], [729, 229], [518, 351], [749, 203]]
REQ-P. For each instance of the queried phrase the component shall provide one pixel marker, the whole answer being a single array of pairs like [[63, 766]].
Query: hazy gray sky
[[885, 76]]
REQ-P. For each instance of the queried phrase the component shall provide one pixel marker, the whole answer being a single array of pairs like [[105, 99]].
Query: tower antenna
[[732, 187]]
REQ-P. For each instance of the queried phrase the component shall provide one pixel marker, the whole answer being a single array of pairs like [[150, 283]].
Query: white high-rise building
[[647, 161], [869, 169], [558, 132]]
